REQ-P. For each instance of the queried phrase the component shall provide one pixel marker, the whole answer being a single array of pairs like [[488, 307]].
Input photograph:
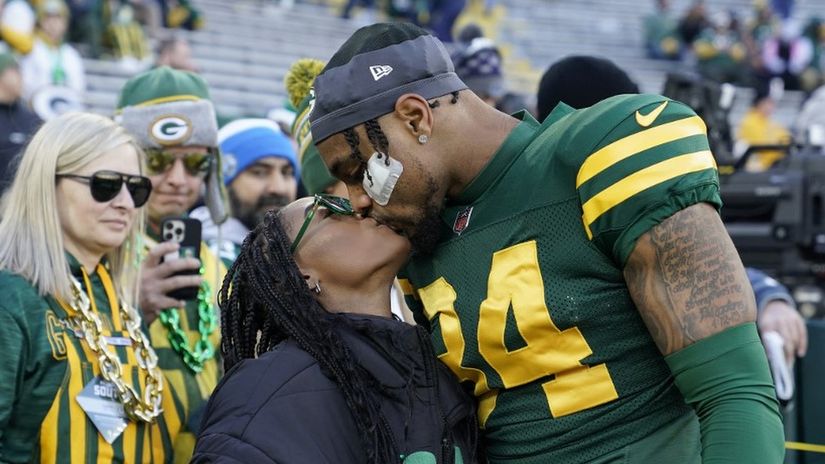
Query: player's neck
[[483, 129]]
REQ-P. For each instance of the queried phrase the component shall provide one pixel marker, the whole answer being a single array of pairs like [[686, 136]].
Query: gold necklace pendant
[[146, 407]]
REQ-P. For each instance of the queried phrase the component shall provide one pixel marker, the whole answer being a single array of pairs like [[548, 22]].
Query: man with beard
[[260, 170], [574, 273]]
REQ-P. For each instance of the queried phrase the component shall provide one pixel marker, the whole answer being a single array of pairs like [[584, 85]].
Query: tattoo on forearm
[[687, 279]]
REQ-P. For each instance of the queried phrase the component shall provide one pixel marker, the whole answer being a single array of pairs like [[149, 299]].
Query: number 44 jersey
[[525, 297]]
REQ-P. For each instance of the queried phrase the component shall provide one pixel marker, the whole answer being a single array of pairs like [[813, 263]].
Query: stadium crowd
[[182, 285]]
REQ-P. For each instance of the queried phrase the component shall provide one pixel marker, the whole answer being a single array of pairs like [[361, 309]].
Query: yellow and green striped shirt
[[193, 389], [44, 366]]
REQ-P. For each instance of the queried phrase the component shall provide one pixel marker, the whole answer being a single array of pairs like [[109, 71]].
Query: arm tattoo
[[687, 280]]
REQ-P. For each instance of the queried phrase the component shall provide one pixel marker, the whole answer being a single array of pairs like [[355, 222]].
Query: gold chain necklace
[[146, 408]]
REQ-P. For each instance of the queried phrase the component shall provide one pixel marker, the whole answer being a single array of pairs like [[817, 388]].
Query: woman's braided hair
[[265, 300]]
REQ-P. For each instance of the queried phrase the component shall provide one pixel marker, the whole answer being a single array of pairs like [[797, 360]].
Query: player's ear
[[415, 114]]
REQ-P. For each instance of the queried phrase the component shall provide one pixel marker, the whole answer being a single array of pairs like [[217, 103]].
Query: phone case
[[187, 232]]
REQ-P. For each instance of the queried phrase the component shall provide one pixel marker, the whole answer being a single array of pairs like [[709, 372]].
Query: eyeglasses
[[159, 161], [106, 185], [335, 205]]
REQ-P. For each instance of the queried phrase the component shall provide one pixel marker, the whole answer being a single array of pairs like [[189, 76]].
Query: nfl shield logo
[[462, 220]]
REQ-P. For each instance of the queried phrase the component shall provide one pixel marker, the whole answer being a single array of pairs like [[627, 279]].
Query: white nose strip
[[380, 179]]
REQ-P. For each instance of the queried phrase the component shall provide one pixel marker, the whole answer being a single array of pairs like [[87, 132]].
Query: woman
[[79, 381], [320, 371]]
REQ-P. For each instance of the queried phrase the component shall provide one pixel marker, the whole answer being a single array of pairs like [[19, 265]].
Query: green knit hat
[[165, 107], [162, 84], [314, 173]]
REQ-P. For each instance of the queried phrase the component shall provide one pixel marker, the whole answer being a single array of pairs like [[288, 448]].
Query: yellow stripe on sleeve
[[49, 436], [628, 146], [643, 180], [407, 288]]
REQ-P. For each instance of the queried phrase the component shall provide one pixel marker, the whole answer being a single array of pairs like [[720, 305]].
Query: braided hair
[[376, 135], [265, 300]]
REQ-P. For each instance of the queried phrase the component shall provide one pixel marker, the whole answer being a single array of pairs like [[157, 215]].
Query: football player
[[574, 273]]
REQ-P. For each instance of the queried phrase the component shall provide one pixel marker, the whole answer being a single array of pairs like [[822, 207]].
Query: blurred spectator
[[468, 33], [181, 14], [814, 76], [125, 37], [810, 123], [346, 12], [721, 51], [176, 53], [783, 8], [581, 81], [787, 55], [776, 311], [148, 13], [512, 102], [17, 25], [758, 128], [763, 25], [17, 123], [53, 65], [694, 22], [260, 170], [414, 11], [661, 34], [443, 14], [86, 26], [479, 66]]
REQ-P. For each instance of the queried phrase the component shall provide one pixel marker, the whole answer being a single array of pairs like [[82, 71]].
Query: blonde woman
[[79, 381]]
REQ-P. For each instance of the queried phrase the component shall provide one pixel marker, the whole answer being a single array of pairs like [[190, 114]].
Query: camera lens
[[178, 231], [167, 236], [169, 225]]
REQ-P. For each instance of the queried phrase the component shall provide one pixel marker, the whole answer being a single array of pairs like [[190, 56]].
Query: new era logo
[[380, 70]]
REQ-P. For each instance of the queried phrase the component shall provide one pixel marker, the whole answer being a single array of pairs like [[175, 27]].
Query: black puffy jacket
[[280, 408]]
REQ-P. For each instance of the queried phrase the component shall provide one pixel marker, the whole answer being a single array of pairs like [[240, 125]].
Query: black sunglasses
[[336, 205], [105, 185]]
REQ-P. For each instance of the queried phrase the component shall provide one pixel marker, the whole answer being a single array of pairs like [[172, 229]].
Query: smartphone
[[187, 233]]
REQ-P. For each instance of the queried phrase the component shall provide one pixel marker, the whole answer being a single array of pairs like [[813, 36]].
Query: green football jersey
[[525, 296]]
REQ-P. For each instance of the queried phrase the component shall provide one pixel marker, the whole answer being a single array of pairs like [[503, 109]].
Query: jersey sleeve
[[412, 299], [653, 161]]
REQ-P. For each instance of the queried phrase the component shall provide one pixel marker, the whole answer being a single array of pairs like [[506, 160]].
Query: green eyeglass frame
[[336, 205]]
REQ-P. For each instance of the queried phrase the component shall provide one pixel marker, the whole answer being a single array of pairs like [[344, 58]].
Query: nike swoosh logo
[[647, 120]]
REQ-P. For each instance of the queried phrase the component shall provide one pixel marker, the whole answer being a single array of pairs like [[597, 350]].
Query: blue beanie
[[245, 141]]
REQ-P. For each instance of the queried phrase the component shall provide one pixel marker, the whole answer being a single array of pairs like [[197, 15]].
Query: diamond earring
[[422, 139]]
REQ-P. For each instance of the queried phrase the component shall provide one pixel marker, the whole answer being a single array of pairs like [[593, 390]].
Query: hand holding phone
[[158, 278], [186, 232]]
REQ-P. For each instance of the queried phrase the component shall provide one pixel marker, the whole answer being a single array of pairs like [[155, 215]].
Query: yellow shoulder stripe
[[643, 180], [407, 288], [640, 141]]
